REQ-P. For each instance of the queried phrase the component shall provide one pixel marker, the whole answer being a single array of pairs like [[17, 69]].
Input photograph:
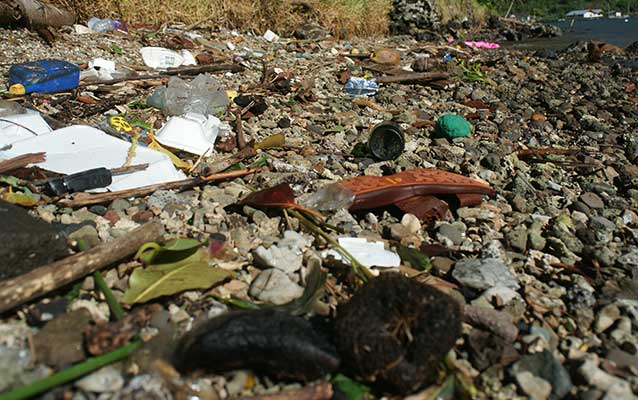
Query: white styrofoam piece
[[161, 58], [194, 133], [79, 148], [10, 132], [369, 254]]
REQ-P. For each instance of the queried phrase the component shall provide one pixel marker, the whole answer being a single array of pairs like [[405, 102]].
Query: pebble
[[544, 365], [606, 317], [592, 200], [536, 388], [119, 205], [105, 380], [482, 274], [275, 287]]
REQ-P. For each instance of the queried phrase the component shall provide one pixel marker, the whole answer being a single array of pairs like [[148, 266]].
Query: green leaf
[[274, 141], [15, 183], [167, 279], [414, 257], [171, 252], [352, 389]]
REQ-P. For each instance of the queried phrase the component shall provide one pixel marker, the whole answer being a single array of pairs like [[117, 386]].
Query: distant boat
[[588, 14]]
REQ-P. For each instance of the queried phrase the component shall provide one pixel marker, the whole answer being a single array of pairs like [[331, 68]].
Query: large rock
[[27, 242]]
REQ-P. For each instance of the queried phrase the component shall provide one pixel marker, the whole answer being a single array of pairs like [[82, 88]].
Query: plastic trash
[[386, 141], [203, 95], [369, 254], [18, 123], [194, 133], [447, 58], [331, 197], [161, 58], [85, 180], [481, 44], [101, 70], [358, 87], [44, 76], [103, 25], [79, 148], [452, 126], [271, 36]]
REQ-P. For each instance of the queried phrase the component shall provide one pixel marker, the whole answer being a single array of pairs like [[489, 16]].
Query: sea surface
[[614, 31]]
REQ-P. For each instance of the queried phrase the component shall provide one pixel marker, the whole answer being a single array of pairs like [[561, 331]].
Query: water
[[614, 31]]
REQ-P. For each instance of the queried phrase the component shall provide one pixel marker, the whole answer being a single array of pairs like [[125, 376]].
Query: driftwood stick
[[21, 289], [413, 77], [85, 199], [21, 161], [189, 70]]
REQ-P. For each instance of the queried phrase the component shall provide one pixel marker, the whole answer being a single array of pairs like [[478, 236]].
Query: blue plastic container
[[45, 76]]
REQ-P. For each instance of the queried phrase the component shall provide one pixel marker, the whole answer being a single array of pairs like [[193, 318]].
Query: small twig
[[71, 373], [21, 161], [239, 131]]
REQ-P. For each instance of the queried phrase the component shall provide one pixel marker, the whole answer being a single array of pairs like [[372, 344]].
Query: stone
[[411, 222], [87, 233], [454, 232], [535, 237], [119, 205], [287, 255], [482, 274], [61, 342], [606, 317], [27, 242], [545, 366], [592, 200], [536, 388], [517, 238], [275, 287], [105, 380], [98, 209], [600, 379]]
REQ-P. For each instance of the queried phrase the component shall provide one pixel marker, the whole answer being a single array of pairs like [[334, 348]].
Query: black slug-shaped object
[[394, 332], [271, 342]]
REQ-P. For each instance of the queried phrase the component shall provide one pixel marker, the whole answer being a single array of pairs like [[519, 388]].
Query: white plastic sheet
[[79, 148]]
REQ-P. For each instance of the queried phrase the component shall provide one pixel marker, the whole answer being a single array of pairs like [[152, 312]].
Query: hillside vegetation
[[342, 17]]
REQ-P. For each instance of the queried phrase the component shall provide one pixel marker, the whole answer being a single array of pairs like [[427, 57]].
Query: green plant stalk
[[114, 305], [71, 373], [359, 269]]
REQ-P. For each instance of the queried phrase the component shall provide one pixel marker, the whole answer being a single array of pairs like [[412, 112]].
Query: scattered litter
[[271, 36], [451, 126], [485, 45], [369, 254], [194, 133], [44, 76], [203, 95], [357, 87], [161, 58], [79, 148]]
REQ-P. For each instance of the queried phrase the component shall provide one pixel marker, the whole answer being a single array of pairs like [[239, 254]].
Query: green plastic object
[[452, 126]]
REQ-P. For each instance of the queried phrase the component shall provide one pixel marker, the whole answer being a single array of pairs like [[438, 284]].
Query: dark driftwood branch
[[21, 289], [417, 77], [85, 199]]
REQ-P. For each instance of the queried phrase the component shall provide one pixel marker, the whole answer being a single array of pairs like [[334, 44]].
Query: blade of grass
[[114, 305]]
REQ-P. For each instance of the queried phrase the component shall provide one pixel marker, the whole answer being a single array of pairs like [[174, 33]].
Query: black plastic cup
[[386, 141]]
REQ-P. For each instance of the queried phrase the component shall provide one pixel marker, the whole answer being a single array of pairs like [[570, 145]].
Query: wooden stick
[[189, 70], [85, 199], [21, 289], [413, 77], [21, 161]]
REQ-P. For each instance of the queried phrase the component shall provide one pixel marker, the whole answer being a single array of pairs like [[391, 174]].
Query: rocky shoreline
[[545, 269]]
